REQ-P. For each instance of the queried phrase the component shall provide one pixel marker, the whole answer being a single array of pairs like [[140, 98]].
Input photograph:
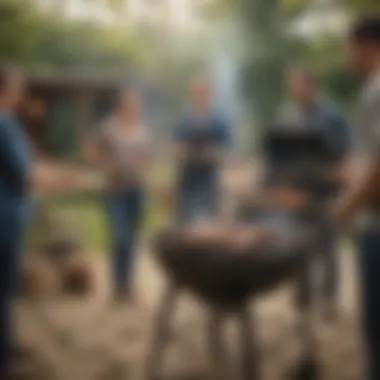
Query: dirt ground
[[92, 339]]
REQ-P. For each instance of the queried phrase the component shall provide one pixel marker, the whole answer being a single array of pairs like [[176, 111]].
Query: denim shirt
[[15, 159], [212, 129]]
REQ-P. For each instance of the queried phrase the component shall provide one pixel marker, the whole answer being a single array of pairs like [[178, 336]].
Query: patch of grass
[[91, 218], [88, 211]]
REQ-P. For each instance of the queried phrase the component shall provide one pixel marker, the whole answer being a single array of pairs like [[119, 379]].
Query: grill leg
[[215, 331], [249, 350], [304, 286], [308, 367], [161, 333]]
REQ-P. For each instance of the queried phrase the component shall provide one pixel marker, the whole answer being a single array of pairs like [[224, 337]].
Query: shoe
[[307, 369]]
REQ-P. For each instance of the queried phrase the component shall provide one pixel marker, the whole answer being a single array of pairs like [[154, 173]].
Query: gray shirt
[[369, 136], [369, 117]]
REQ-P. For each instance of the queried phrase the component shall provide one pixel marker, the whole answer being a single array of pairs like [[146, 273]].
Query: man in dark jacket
[[310, 109]]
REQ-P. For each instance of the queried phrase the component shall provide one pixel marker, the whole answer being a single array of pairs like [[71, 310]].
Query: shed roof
[[75, 79]]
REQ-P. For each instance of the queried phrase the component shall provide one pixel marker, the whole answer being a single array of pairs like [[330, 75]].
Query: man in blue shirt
[[202, 138], [309, 110], [14, 187]]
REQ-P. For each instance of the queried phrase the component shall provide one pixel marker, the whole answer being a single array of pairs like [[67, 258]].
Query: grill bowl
[[225, 276]]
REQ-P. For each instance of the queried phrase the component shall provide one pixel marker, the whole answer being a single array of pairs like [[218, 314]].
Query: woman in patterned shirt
[[120, 149]]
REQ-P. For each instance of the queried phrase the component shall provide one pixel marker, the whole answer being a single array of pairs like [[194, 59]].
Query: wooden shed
[[62, 108]]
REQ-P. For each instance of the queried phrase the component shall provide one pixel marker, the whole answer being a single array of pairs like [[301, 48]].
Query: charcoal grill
[[235, 274], [227, 281]]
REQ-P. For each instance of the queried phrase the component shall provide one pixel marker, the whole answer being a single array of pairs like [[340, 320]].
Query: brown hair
[[6, 73], [367, 29]]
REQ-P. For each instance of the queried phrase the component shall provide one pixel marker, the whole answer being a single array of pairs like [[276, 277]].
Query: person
[[201, 138], [14, 202], [309, 109], [362, 195], [19, 178], [120, 149]]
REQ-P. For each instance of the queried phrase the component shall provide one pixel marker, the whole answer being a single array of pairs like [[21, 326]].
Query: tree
[[32, 39], [271, 48], [19, 28], [268, 50], [362, 6]]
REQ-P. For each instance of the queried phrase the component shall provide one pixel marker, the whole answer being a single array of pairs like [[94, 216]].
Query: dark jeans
[[125, 210], [11, 237], [199, 195], [325, 260], [369, 264], [329, 259]]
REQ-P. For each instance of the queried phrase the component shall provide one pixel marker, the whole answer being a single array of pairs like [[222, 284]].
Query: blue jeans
[[199, 195], [125, 210], [12, 228], [369, 264]]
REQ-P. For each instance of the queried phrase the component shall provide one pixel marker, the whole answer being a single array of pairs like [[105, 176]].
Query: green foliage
[[33, 39], [215, 9], [293, 6], [362, 6], [272, 49], [19, 29], [266, 59], [82, 45]]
